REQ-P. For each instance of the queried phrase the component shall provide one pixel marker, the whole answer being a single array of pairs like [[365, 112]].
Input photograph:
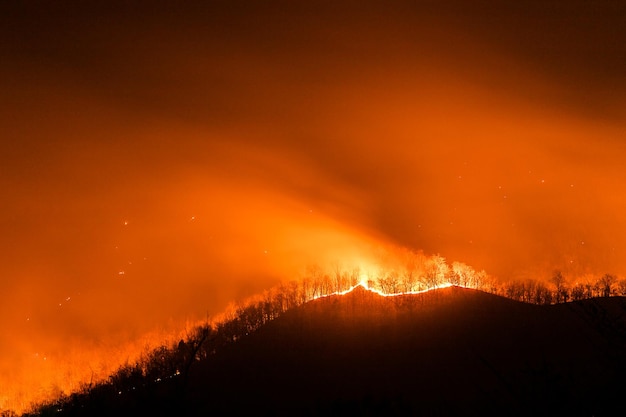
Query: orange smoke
[[156, 165]]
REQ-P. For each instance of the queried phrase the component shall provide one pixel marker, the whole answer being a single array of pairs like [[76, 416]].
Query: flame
[[210, 167], [364, 284], [48, 375]]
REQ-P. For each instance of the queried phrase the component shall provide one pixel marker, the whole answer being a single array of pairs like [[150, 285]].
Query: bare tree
[[355, 276], [463, 274], [389, 282], [559, 283], [539, 296], [605, 284], [408, 279], [436, 271], [337, 277], [578, 292]]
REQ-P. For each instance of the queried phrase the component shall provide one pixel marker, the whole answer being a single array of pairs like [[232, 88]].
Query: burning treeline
[[169, 364]]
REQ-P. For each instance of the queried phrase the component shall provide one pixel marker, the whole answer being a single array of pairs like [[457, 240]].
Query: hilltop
[[450, 351]]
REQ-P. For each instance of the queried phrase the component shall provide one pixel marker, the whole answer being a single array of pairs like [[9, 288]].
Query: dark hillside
[[446, 352]]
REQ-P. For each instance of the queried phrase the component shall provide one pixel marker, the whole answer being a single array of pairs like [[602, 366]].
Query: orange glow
[[60, 371], [384, 294], [157, 165]]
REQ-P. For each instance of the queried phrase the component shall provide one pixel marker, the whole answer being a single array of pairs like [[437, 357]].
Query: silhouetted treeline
[[159, 378], [557, 290]]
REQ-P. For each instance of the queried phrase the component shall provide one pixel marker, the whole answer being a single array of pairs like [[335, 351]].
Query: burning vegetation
[[169, 364]]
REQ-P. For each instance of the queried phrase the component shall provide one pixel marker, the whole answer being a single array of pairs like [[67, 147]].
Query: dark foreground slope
[[447, 352]]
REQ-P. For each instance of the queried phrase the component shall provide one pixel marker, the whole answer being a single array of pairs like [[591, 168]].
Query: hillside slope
[[447, 352]]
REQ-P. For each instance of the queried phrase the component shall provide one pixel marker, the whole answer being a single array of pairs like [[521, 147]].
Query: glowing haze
[[158, 161]]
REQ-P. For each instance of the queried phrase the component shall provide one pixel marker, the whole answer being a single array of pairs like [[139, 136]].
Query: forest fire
[[395, 273], [364, 283], [159, 161], [55, 375]]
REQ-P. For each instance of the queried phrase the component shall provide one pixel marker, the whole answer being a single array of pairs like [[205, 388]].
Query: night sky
[[160, 160]]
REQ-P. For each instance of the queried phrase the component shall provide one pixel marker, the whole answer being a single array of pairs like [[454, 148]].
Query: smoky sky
[[158, 160]]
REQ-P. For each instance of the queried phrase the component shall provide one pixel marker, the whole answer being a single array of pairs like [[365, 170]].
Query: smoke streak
[[159, 161]]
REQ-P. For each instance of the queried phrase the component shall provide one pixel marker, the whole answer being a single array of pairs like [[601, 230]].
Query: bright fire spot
[[364, 285], [363, 278]]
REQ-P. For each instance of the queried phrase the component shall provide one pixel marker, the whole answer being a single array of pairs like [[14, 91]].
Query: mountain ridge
[[452, 351], [492, 353]]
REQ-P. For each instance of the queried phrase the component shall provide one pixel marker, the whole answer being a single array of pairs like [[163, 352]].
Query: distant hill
[[447, 352]]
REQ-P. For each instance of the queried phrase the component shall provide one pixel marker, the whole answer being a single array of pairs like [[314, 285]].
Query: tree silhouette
[[605, 284], [578, 292], [559, 284], [167, 367]]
